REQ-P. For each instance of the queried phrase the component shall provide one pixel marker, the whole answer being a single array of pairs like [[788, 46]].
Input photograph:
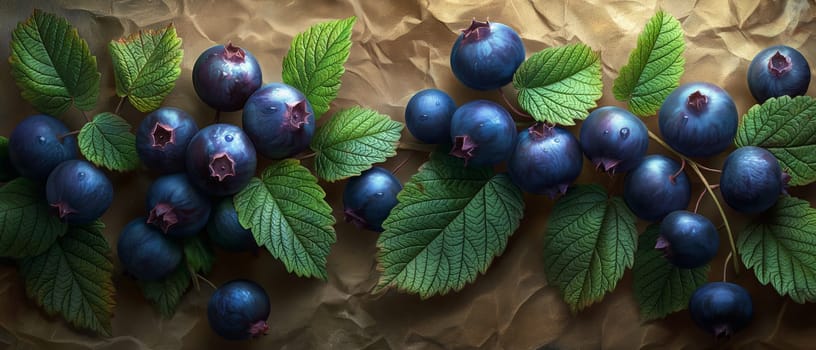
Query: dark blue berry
[[428, 116], [688, 240], [176, 206], [220, 159], [78, 191], [482, 133], [778, 71], [226, 231], [162, 139], [279, 121], [752, 180], [614, 139], [239, 310], [656, 187], [38, 144], [546, 160], [225, 77], [486, 55], [146, 253], [721, 308], [698, 120], [369, 198]]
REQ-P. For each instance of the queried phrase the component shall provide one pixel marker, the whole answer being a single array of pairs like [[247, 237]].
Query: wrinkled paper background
[[399, 48]]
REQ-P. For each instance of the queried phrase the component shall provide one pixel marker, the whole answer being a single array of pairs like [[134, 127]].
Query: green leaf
[[166, 294], [352, 141], [73, 278], [286, 211], [314, 63], [559, 84], [198, 255], [146, 66], [7, 172], [52, 65], [589, 243], [451, 221], [661, 288], [787, 128], [655, 66], [27, 226], [107, 141], [780, 245]]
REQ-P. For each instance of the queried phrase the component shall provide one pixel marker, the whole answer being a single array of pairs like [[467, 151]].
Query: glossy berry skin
[[486, 55], [698, 120], [225, 77], [176, 207], [721, 308], [545, 160], [279, 121], [238, 310], [226, 231], [652, 191], [751, 180], [688, 240], [36, 146], [146, 253], [220, 159], [369, 198], [78, 191], [482, 133], [614, 139], [778, 71], [162, 139], [428, 116]]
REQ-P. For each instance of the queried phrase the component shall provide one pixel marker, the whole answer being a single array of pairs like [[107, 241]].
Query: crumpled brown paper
[[400, 48]]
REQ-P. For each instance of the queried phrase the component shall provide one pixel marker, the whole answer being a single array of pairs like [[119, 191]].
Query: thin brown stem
[[306, 156], [725, 266], [709, 169], [778, 320], [700, 198], [401, 164], [61, 137], [199, 276], [119, 105], [511, 106]]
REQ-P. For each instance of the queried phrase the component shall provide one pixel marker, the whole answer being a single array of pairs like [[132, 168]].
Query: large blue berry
[[225, 77], [146, 253], [482, 133], [614, 139], [486, 55], [239, 310], [176, 206], [428, 116], [369, 198], [162, 139], [221, 159], [656, 187], [38, 144], [226, 231], [698, 119], [721, 308], [688, 240], [778, 71], [752, 180], [78, 191], [279, 121], [546, 160]]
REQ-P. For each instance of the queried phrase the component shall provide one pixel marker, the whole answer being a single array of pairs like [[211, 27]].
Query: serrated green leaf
[[787, 128], [780, 246], [352, 141], [198, 255], [107, 141], [73, 278], [655, 66], [146, 66], [314, 63], [560, 84], [52, 65], [287, 213], [166, 294], [7, 172], [661, 288], [590, 241], [451, 221], [27, 226]]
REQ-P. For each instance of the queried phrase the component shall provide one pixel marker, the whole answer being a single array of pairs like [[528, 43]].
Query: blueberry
[[162, 139], [486, 55], [146, 253], [778, 71], [428, 116], [176, 206], [698, 120], [7, 172], [546, 160], [279, 121], [220, 159], [239, 310], [652, 191], [482, 133], [369, 198], [226, 231], [614, 139], [38, 144], [688, 240], [79, 192], [752, 180], [225, 77], [721, 308]]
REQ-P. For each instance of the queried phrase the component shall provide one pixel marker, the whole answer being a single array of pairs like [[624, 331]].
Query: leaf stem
[[700, 198], [306, 156], [212, 285], [119, 105], [709, 169], [61, 137], [725, 267], [511, 106], [87, 120], [401, 164], [694, 166], [416, 147]]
